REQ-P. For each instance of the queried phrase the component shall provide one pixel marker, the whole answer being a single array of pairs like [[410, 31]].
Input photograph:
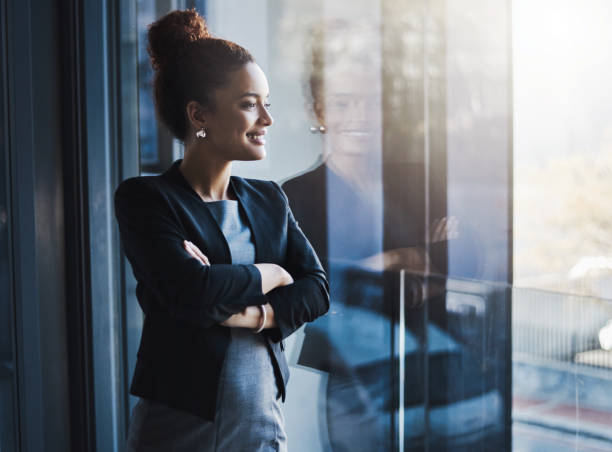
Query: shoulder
[[307, 192], [139, 188], [265, 188], [307, 187], [314, 177]]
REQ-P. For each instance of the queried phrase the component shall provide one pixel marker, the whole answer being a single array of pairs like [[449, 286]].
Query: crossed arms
[[183, 282]]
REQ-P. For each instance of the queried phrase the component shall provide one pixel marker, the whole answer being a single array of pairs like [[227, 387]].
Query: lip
[[257, 137], [258, 133], [356, 133]]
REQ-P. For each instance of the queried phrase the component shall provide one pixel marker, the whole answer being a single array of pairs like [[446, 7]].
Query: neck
[[357, 172], [208, 177]]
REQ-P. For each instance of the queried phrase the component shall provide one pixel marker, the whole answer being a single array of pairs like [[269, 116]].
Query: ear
[[318, 109], [196, 114]]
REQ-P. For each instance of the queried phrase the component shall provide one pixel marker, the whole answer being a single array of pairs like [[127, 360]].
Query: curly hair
[[189, 64]]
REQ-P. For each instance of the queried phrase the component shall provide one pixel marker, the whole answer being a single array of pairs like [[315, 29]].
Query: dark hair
[[337, 44], [189, 64], [316, 64]]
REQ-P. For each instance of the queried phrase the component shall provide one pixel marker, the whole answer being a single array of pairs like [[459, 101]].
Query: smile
[[257, 137], [355, 133]]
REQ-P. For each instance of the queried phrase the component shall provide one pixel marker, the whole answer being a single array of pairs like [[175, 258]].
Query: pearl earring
[[319, 129], [201, 133]]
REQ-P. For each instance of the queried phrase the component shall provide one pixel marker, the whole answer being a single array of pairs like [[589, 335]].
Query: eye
[[252, 105], [341, 104]]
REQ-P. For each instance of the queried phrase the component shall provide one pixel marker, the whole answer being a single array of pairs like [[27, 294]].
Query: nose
[[266, 118]]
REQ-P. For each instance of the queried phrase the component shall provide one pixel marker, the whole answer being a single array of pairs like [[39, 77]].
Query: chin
[[260, 153], [253, 155]]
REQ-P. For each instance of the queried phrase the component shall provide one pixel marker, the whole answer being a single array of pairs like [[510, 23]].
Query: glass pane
[[406, 359], [448, 161], [562, 304], [7, 359], [472, 123]]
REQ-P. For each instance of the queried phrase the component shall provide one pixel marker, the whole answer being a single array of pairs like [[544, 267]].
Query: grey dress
[[248, 416]]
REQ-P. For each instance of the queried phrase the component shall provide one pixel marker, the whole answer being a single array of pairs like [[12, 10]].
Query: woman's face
[[348, 102], [238, 124], [353, 115]]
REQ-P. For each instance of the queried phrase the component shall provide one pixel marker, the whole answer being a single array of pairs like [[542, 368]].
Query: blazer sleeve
[[152, 239], [308, 297]]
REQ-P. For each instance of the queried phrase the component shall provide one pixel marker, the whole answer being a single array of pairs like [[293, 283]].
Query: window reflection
[[414, 173], [362, 208], [338, 205]]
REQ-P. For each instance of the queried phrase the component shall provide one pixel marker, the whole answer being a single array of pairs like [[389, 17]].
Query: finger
[[194, 253], [194, 249], [435, 226], [439, 228], [191, 252], [199, 253], [453, 227], [188, 248], [202, 255]]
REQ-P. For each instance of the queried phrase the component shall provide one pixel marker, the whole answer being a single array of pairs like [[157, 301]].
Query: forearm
[[272, 276], [303, 301], [251, 318]]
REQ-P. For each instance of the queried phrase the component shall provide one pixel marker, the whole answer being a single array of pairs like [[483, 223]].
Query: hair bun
[[172, 34]]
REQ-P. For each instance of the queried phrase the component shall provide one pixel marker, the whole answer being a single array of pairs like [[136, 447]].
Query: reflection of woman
[[223, 271], [345, 87], [339, 205]]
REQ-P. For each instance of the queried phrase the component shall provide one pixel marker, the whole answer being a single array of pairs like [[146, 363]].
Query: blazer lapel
[[253, 204], [215, 240]]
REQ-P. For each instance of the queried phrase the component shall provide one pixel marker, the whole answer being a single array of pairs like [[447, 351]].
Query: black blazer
[[182, 345]]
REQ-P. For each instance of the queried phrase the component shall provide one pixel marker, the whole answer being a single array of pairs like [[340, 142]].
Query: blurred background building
[[459, 201]]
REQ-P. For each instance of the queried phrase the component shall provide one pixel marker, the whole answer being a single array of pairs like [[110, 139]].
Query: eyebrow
[[249, 94]]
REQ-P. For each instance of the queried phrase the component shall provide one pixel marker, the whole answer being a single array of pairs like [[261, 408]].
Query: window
[[458, 200], [8, 377]]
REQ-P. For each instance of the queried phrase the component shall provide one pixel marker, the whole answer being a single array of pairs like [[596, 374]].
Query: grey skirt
[[248, 415]]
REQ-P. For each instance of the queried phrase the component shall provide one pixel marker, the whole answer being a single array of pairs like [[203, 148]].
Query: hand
[[273, 276], [285, 277], [195, 252], [250, 318], [445, 228]]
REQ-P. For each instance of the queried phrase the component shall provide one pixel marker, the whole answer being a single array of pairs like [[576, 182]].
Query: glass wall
[[562, 363], [423, 146], [8, 377]]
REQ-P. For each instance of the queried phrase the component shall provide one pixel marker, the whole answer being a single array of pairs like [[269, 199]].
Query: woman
[[360, 208], [224, 273]]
